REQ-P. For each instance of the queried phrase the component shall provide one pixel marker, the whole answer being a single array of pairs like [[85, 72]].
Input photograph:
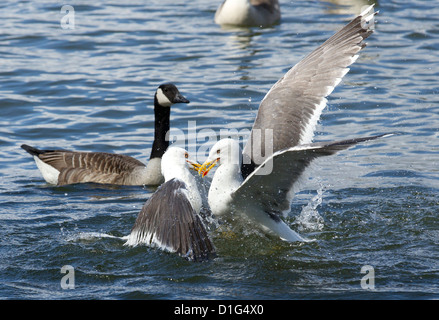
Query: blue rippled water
[[91, 88]]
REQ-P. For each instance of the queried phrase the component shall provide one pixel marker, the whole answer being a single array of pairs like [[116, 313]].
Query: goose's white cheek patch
[[162, 99]]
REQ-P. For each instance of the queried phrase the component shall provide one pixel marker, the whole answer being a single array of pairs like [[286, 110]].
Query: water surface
[[91, 88]]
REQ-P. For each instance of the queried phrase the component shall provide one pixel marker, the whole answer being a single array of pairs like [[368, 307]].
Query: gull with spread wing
[[260, 188]]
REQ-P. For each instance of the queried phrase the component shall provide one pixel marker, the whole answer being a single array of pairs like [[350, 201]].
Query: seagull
[[260, 13], [260, 188], [63, 167], [170, 218]]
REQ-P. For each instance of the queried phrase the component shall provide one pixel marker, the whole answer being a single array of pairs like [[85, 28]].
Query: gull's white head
[[225, 151], [175, 161]]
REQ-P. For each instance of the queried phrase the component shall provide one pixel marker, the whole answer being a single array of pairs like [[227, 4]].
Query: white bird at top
[[261, 13]]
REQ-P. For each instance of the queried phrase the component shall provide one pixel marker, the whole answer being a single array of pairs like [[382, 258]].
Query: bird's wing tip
[[367, 10]]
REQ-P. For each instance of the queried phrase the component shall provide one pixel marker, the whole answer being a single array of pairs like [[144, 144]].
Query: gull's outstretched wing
[[292, 107], [273, 191], [168, 221]]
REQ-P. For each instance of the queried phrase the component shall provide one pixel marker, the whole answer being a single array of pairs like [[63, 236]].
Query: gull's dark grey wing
[[168, 221], [293, 105]]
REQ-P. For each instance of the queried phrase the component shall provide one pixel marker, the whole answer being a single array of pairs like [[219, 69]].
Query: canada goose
[[169, 219], [62, 167], [261, 188], [260, 13]]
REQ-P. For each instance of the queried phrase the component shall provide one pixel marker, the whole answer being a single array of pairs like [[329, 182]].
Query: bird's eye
[[218, 151], [186, 155]]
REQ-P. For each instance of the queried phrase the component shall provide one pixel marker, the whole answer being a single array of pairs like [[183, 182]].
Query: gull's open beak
[[206, 167], [193, 165]]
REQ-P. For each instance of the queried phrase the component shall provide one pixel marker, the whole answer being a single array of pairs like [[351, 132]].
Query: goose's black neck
[[161, 128]]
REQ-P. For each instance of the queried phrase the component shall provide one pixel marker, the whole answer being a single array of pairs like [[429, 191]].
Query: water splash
[[309, 218]]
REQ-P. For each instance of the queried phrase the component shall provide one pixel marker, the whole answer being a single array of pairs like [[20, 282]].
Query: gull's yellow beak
[[206, 167], [193, 165]]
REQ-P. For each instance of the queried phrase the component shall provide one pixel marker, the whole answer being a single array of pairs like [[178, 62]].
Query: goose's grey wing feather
[[98, 167], [168, 221], [271, 184], [293, 105]]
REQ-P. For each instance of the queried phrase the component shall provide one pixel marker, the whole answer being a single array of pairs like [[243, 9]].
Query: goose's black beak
[[180, 99]]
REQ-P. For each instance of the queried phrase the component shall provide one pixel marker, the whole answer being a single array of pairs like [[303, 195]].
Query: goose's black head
[[167, 94]]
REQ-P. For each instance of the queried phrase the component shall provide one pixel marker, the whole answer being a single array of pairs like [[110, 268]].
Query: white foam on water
[[87, 236]]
